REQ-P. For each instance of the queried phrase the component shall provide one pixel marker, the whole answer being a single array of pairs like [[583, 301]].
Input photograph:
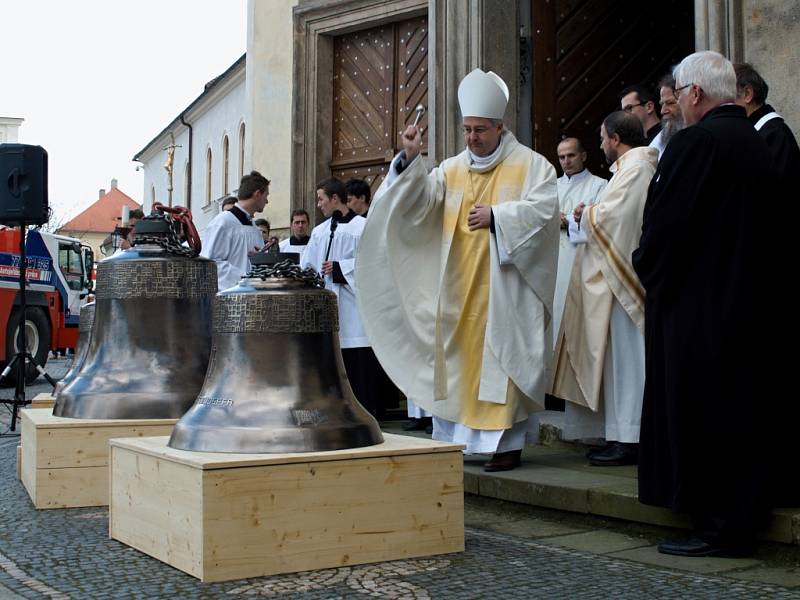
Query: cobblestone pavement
[[510, 553]]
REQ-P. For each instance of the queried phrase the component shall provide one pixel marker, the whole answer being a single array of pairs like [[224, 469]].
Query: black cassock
[[715, 440], [785, 152]]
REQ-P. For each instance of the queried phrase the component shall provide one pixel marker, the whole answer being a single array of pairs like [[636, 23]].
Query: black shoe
[[616, 455], [413, 425], [695, 546], [503, 461], [595, 449]]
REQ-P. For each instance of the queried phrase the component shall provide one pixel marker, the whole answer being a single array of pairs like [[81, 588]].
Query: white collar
[[484, 161], [583, 174], [767, 117]]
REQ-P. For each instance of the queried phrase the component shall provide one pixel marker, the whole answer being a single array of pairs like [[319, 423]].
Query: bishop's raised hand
[[412, 142]]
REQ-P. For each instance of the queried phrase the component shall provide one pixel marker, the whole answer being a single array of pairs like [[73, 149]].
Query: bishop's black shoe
[[616, 455], [503, 461]]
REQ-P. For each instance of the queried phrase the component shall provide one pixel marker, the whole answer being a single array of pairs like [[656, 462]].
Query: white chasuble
[[458, 318]]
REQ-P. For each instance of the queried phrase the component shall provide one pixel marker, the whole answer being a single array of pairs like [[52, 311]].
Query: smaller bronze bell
[[276, 381], [85, 323], [151, 335]]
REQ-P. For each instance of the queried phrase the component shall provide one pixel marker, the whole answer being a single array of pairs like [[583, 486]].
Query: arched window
[[241, 151], [225, 164], [208, 177]]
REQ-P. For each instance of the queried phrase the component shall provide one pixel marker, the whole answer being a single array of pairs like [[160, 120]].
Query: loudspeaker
[[23, 185]]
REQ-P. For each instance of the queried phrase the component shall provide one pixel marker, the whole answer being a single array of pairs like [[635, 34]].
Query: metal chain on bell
[[169, 242], [290, 270]]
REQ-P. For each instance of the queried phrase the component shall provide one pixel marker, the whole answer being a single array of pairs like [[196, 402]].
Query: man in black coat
[[711, 436], [751, 94]]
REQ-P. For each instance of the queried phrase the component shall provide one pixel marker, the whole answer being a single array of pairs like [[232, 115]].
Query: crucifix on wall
[[170, 149]]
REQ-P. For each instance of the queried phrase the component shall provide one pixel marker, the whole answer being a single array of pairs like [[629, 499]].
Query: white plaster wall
[[220, 119], [270, 43], [211, 120]]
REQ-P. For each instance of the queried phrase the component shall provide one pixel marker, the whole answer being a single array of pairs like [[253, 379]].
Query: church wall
[[220, 114], [772, 46], [221, 118], [156, 176]]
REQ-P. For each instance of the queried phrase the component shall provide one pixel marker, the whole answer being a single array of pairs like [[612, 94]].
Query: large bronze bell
[[84, 334], [276, 381], [151, 338]]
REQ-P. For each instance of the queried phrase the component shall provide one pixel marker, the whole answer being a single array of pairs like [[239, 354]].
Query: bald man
[[577, 186]]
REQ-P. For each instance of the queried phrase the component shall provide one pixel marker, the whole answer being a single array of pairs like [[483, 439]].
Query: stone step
[[555, 474], [561, 478]]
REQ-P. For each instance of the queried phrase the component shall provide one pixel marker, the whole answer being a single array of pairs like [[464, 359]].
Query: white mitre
[[483, 94]]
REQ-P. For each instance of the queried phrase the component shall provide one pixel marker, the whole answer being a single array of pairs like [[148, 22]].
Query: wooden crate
[[220, 517], [43, 401], [65, 461]]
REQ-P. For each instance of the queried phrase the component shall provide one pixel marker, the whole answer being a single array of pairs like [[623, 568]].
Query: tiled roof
[[103, 215]]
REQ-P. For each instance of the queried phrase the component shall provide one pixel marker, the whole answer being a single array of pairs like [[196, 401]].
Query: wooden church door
[[380, 75], [587, 51]]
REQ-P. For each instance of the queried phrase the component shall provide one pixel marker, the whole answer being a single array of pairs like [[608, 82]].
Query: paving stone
[[531, 528], [707, 564], [783, 576], [57, 554], [599, 542]]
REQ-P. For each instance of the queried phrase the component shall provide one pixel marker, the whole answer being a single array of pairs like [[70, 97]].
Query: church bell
[[276, 381], [84, 334], [151, 339]]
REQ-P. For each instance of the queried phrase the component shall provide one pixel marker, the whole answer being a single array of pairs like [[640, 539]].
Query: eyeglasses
[[678, 90], [630, 107], [476, 130]]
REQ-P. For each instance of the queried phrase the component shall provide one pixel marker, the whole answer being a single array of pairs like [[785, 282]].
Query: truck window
[[69, 262]]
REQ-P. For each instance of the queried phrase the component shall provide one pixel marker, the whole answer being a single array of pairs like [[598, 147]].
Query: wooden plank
[[70, 488], [155, 507], [28, 443], [86, 446], [296, 517], [43, 401], [394, 445], [45, 418]]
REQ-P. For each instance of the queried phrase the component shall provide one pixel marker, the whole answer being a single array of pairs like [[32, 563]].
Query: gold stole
[[466, 280]]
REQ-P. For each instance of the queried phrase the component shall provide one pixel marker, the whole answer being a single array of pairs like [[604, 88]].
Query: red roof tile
[[103, 215]]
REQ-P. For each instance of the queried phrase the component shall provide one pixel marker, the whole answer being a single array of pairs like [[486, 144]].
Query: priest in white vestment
[[599, 367], [231, 237], [332, 251], [576, 187], [456, 270]]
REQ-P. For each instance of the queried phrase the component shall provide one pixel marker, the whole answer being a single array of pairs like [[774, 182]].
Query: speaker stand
[[22, 357]]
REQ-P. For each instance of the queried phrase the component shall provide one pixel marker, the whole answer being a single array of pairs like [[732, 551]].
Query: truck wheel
[[37, 340]]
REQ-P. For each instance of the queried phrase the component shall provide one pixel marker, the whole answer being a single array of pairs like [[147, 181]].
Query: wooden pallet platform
[[65, 461], [220, 517]]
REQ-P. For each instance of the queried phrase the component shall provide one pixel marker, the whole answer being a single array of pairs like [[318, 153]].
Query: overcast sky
[[95, 80]]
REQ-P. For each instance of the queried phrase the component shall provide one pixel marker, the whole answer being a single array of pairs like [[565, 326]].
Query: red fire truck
[[58, 277]]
